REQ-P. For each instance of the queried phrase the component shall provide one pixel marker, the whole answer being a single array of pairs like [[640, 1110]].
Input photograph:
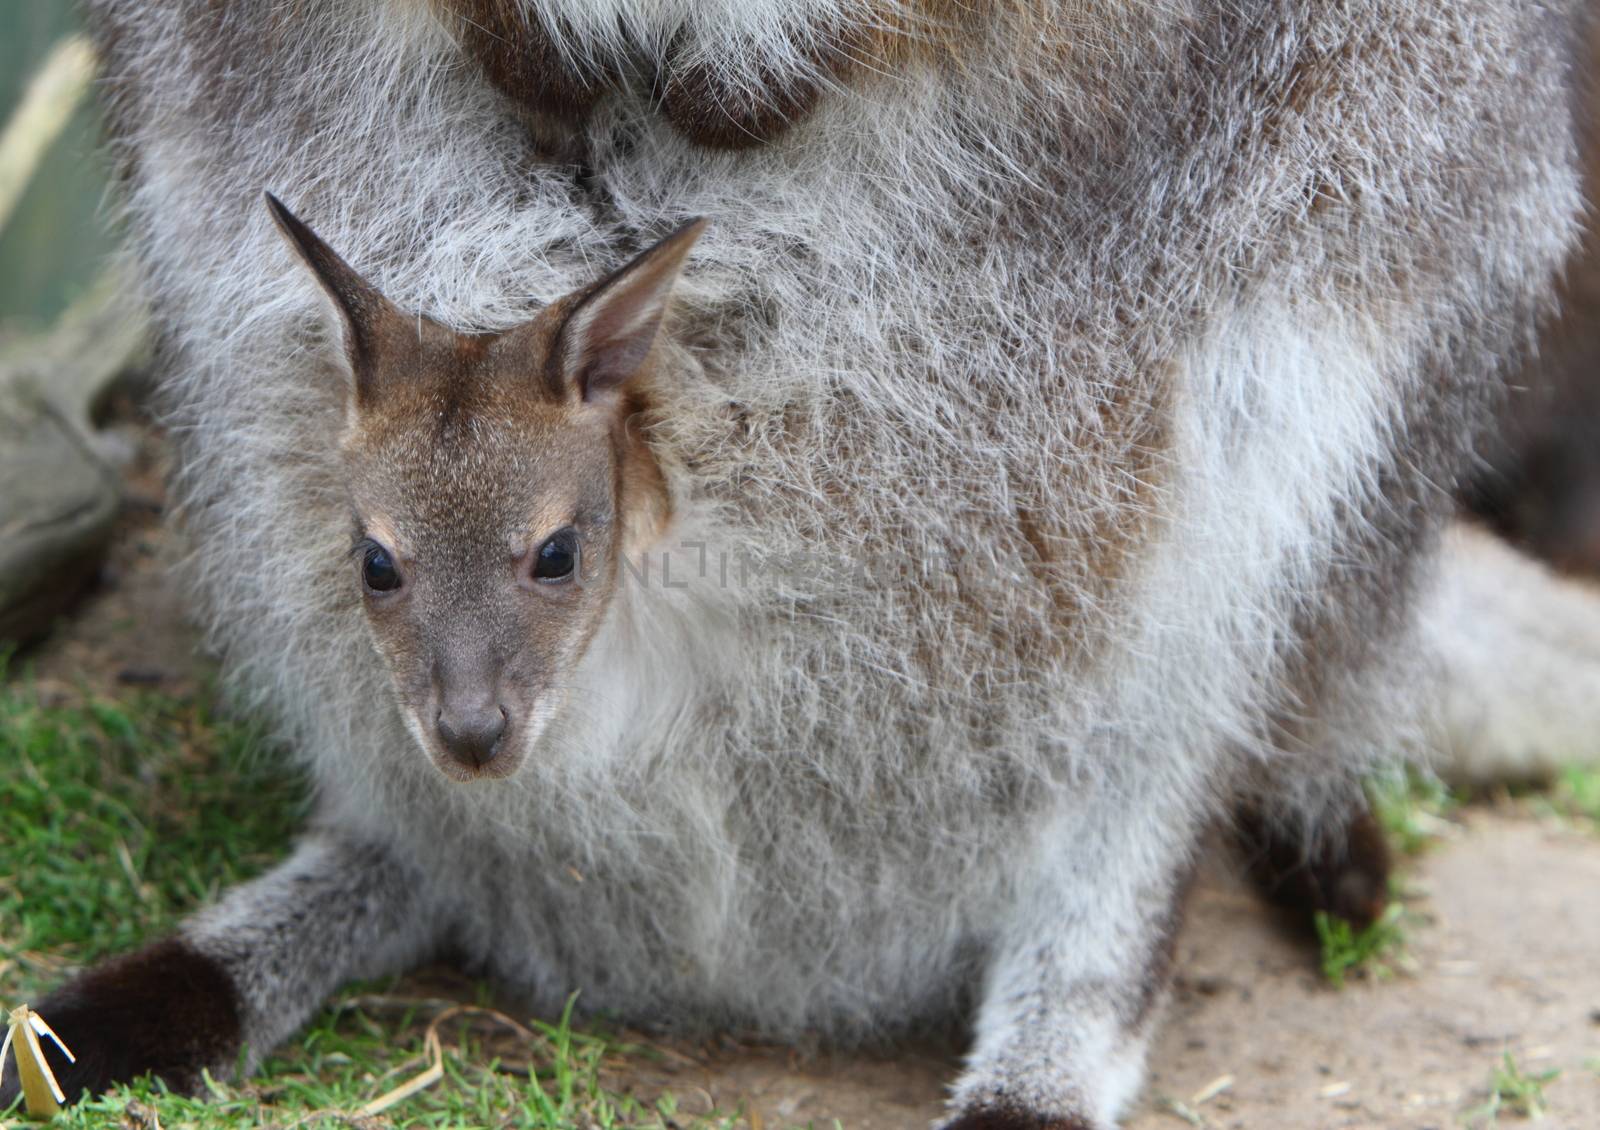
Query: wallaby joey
[[849, 615], [485, 472]]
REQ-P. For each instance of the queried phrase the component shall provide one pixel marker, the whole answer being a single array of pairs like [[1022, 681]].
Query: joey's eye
[[557, 559], [378, 571]]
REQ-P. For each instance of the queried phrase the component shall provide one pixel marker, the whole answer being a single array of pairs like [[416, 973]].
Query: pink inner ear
[[612, 331], [608, 337], [612, 352]]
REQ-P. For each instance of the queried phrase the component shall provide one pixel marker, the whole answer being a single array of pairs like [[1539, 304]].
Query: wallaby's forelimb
[[239, 976], [1076, 973]]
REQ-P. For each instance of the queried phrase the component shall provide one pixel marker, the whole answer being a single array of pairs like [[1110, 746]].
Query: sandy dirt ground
[[1504, 955]]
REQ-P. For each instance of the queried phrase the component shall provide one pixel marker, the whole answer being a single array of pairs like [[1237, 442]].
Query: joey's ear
[[364, 312], [608, 335]]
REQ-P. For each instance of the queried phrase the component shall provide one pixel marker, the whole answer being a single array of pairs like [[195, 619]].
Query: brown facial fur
[[475, 460], [474, 470]]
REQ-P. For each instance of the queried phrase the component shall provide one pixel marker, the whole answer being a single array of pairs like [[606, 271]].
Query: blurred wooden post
[[47, 105], [58, 497]]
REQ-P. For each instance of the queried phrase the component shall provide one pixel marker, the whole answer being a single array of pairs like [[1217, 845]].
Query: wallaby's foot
[[1014, 1118], [166, 1010], [1345, 874]]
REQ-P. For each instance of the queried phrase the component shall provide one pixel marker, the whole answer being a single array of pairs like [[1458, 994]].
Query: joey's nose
[[472, 735]]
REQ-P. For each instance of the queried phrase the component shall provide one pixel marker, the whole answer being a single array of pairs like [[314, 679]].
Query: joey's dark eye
[[378, 571], [557, 559]]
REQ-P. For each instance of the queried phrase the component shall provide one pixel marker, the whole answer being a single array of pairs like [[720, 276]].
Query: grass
[[1575, 795], [1415, 810], [1413, 807], [1371, 952], [1513, 1091], [495, 1073], [117, 817]]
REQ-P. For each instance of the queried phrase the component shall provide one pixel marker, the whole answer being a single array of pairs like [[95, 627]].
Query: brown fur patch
[[519, 57], [166, 1010], [1082, 559], [643, 500], [703, 106]]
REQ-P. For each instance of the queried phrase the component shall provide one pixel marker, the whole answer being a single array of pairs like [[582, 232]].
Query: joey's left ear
[[608, 335], [368, 317]]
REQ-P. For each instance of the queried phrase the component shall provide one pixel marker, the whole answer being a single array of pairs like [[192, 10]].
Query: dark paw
[[165, 1010], [1347, 876], [1012, 1118]]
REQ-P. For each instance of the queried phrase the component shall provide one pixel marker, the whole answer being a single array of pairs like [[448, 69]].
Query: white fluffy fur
[[1182, 315]]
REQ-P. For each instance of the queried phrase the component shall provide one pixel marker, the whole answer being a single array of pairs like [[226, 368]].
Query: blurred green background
[[56, 239]]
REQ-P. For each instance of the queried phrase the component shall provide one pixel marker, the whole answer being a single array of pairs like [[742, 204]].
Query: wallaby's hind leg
[[1342, 871], [1504, 686], [1076, 972], [240, 976]]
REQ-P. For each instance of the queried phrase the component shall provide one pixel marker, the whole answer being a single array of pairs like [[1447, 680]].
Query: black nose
[[472, 735]]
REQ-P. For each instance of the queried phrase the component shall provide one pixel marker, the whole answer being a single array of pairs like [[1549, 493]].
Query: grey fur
[[334, 912], [1152, 318]]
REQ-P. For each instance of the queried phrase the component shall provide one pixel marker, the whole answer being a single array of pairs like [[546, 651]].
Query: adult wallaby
[[1048, 452]]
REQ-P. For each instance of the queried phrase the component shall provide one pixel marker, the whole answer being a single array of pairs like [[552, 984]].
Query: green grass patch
[[1515, 1092], [1371, 952], [495, 1073], [1576, 795], [118, 816]]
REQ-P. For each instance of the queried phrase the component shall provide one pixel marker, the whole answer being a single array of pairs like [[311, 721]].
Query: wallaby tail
[[1517, 649]]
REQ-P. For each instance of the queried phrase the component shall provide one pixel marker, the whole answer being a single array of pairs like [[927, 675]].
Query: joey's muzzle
[[472, 736]]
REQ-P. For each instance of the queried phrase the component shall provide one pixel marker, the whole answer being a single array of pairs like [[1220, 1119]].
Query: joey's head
[[496, 482]]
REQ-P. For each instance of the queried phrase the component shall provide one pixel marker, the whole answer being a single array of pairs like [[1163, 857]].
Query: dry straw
[[42, 1095]]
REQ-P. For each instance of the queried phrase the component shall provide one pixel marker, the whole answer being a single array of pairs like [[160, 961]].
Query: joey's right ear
[[364, 312], [608, 335]]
